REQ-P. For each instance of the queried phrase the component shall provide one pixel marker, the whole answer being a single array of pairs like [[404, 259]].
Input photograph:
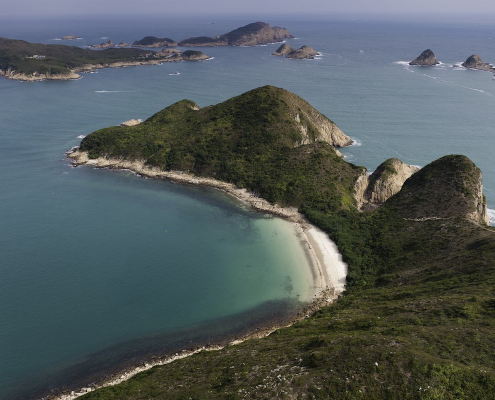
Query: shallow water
[[94, 258]]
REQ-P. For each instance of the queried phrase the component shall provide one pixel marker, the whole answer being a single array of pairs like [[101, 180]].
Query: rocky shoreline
[[74, 74], [315, 243]]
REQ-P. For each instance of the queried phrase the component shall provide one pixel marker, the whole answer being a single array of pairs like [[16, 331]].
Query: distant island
[[70, 37], [426, 59], [475, 62], [25, 61], [152, 41], [303, 53], [420, 257], [253, 34]]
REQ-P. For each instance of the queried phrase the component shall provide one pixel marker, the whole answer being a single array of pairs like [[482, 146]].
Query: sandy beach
[[327, 268]]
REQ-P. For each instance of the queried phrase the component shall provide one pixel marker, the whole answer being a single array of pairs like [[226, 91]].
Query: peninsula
[[25, 61], [303, 53], [253, 34], [418, 311]]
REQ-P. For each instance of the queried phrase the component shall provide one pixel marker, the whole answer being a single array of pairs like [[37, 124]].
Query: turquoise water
[[102, 268]]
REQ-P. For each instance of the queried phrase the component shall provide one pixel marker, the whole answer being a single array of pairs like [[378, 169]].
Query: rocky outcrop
[[250, 35], [154, 42], [131, 122], [386, 181], [69, 37], [12, 74], [475, 62], [107, 45], [303, 53], [123, 44], [426, 59]]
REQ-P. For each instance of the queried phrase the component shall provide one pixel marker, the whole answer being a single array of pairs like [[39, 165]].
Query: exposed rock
[[106, 45], [69, 37], [12, 74], [131, 122], [152, 41], [387, 180], [250, 35], [305, 52], [426, 58], [475, 62], [123, 44]]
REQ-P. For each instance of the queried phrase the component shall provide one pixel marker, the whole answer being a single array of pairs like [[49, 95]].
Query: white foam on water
[[491, 215], [361, 51], [111, 91], [104, 37], [56, 39], [356, 142], [81, 137], [404, 63]]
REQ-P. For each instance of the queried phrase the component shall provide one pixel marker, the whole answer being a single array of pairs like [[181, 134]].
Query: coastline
[[327, 268], [74, 73]]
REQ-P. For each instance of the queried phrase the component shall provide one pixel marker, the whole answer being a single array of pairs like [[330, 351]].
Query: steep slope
[[268, 140], [426, 58]]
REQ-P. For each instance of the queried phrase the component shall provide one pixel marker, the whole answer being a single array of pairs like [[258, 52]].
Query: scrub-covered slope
[[268, 141]]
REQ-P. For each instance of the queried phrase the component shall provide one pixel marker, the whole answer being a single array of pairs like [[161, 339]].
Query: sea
[[101, 270]]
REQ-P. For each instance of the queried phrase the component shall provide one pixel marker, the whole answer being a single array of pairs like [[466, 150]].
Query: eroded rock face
[[426, 58], [303, 53], [386, 181], [475, 62]]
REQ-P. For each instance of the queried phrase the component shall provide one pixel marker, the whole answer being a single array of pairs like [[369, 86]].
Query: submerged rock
[[426, 58]]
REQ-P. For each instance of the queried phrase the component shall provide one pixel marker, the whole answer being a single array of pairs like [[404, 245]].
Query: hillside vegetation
[[59, 59], [417, 320]]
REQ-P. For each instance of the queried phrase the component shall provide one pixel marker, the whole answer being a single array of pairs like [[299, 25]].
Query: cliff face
[[426, 58], [383, 183], [447, 188], [475, 62], [250, 35], [305, 52]]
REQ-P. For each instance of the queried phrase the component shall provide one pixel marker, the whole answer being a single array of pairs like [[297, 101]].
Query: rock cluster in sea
[[305, 52], [426, 58]]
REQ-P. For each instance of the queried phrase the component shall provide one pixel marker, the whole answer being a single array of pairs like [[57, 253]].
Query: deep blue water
[[95, 262]]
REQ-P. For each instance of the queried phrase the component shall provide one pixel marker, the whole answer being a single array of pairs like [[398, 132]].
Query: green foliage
[[60, 59]]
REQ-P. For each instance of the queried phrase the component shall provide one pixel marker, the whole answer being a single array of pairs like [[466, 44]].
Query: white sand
[[327, 268]]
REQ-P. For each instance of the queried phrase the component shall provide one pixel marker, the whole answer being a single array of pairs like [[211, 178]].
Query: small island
[[254, 34], [21, 60], [475, 62], [303, 53], [70, 37], [154, 42], [426, 59]]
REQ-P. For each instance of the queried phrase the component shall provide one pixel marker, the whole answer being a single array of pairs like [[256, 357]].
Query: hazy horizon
[[380, 9]]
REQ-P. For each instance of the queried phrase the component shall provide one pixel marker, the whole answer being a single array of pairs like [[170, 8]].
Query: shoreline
[[73, 74], [327, 268]]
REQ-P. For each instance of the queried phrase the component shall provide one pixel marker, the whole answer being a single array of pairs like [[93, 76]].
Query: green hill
[[17, 56], [417, 320]]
